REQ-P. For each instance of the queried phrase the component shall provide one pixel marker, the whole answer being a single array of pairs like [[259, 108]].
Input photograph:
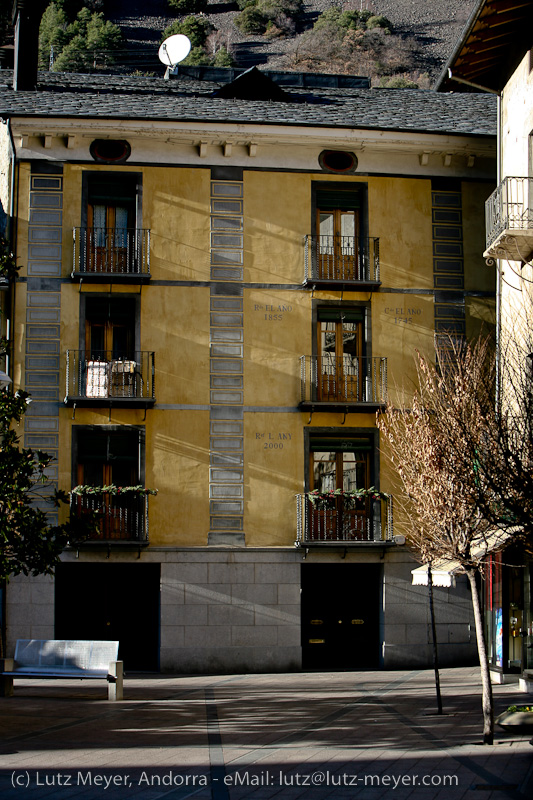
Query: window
[[341, 370], [113, 362], [337, 226], [339, 250], [111, 240], [340, 351], [342, 465], [110, 327], [110, 216], [111, 457], [109, 369]]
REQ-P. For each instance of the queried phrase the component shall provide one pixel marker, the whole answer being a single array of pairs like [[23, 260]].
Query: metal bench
[[60, 658]]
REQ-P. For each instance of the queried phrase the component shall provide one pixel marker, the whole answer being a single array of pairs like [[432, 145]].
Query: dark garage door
[[111, 602]]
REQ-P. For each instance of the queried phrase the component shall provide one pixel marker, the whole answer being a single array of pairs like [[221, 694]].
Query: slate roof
[[188, 99]]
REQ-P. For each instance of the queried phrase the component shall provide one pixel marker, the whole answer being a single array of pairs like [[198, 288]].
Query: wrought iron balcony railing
[[341, 259], [118, 253], [344, 520], [509, 220], [121, 518], [341, 380], [101, 378]]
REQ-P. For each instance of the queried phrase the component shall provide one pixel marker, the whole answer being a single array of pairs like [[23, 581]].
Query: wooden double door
[[341, 364], [338, 243]]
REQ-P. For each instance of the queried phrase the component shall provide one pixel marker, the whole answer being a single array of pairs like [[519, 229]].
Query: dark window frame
[[342, 434], [356, 187], [342, 305], [107, 296], [140, 430], [118, 176]]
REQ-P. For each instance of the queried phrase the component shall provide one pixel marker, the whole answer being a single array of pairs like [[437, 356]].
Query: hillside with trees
[[395, 42]]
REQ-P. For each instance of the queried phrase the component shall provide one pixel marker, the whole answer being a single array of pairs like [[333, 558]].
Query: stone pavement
[[346, 735]]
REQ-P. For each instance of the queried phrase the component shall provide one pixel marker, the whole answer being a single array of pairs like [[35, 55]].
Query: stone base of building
[[233, 610]]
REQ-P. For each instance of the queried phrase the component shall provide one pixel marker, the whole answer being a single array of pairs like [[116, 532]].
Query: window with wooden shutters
[[340, 354], [111, 242]]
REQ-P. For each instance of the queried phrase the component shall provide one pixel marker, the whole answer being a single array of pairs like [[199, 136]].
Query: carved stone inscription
[[272, 312], [273, 441], [403, 315]]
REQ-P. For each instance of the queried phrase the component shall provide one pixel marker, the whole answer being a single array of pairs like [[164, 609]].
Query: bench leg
[[115, 687], [6, 681]]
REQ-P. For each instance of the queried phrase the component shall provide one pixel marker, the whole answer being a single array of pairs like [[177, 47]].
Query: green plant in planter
[[518, 719], [83, 490], [350, 498]]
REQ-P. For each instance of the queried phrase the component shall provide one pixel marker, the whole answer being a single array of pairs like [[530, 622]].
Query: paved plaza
[[301, 735]]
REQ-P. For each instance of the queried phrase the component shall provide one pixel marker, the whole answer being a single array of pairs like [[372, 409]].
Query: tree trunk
[[434, 637], [487, 705]]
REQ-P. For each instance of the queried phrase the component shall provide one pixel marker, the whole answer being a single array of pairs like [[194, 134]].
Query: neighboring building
[[494, 54], [225, 275]]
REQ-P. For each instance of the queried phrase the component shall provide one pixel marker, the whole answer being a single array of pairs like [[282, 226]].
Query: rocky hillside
[[426, 31]]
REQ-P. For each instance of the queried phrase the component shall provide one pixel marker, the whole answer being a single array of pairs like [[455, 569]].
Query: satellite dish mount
[[172, 51]]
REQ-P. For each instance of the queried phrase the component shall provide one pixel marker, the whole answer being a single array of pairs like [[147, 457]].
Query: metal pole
[[434, 637]]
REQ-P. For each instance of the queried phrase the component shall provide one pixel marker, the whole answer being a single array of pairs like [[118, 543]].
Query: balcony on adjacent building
[[344, 520], [509, 220], [329, 382], [117, 255], [101, 379], [342, 261], [122, 518]]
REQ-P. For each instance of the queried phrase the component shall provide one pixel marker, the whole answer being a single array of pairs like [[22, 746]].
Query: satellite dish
[[174, 49]]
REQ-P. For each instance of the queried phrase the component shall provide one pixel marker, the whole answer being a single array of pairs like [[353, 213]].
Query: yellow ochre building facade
[[225, 276]]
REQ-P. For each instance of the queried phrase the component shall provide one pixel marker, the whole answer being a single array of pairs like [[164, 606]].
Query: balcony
[[111, 255], [509, 220], [123, 519], [332, 383], [344, 519], [102, 380], [342, 261]]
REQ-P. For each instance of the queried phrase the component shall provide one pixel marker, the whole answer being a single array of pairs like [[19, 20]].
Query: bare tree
[[440, 449]]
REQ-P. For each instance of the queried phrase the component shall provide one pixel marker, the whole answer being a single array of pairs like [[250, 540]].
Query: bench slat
[[19, 673]]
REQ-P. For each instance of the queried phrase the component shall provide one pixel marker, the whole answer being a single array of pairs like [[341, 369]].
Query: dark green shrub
[[196, 58], [251, 20], [223, 58], [260, 15], [379, 22], [272, 9], [197, 29], [340, 21]]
